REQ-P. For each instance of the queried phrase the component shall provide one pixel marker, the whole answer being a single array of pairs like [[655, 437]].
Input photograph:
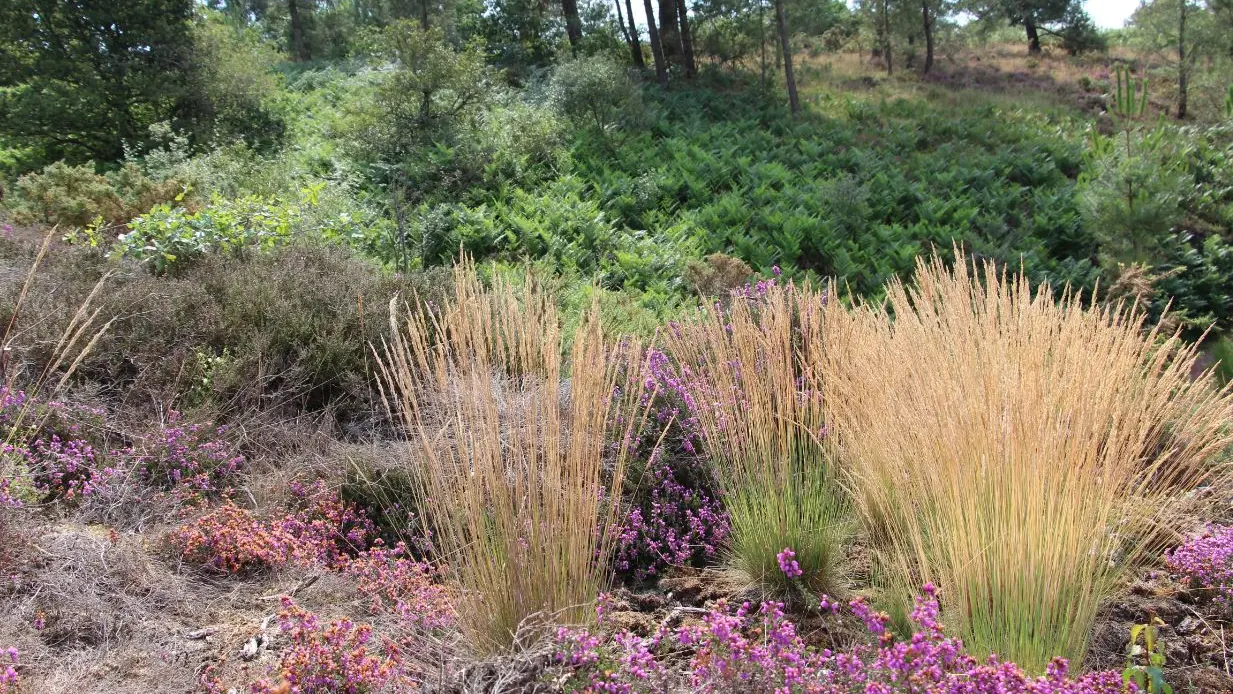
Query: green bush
[[77, 196], [167, 238], [596, 91]]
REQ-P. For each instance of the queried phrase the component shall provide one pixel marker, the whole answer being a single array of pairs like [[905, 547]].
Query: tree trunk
[[1033, 36], [886, 37], [299, 47], [1183, 70], [786, 44], [635, 44], [657, 49], [762, 42], [621, 22], [573, 23], [424, 14], [927, 25], [687, 40], [669, 32]]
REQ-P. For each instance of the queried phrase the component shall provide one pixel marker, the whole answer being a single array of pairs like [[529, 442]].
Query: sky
[[1110, 14]]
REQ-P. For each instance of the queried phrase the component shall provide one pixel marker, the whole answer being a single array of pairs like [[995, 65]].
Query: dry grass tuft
[[1013, 448], [758, 398], [517, 477]]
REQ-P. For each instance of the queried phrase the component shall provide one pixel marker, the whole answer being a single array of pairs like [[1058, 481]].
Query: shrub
[[751, 371], [997, 439], [394, 581], [9, 681], [168, 238], [193, 458], [596, 91], [277, 333], [757, 649], [333, 657], [321, 531], [525, 513], [76, 196], [673, 523], [1207, 562]]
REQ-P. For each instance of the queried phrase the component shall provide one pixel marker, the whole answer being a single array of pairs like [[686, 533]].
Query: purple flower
[[788, 564]]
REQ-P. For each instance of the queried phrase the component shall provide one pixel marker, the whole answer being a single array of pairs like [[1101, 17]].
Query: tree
[[928, 17], [669, 31], [630, 33], [81, 79], [573, 23], [300, 48], [657, 49], [1178, 33], [785, 42], [687, 39]]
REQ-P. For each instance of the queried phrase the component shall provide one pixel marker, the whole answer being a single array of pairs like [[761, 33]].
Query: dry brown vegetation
[[516, 476], [1016, 447]]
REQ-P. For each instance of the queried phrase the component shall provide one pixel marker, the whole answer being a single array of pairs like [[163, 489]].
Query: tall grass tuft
[[750, 371], [1014, 447], [521, 457]]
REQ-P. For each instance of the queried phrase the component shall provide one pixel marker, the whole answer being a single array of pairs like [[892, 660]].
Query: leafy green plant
[[168, 237], [1145, 662], [596, 91]]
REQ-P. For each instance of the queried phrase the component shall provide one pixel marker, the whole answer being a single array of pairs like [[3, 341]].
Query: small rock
[[252, 647]]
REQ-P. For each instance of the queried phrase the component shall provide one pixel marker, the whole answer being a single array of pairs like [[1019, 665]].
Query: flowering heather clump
[[675, 525], [676, 518], [323, 531], [55, 447], [64, 470], [788, 563], [192, 459], [7, 498], [233, 540], [8, 676], [334, 658], [330, 530], [396, 582], [1207, 561], [758, 650]]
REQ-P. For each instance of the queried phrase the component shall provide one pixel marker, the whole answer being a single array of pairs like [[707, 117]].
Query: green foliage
[[237, 81], [596, 92], [1130, 99], [1145, 663], [431, 89], [1134, 195], [283, 332], [169, 237], [78, 80], [1079, 33], [77, 196]]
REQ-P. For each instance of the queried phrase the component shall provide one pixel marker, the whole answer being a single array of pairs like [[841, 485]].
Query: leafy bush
[[76, 196], [167, 238], [596, 91]]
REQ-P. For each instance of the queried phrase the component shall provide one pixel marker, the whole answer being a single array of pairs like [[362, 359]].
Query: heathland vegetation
[[687, 345]]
